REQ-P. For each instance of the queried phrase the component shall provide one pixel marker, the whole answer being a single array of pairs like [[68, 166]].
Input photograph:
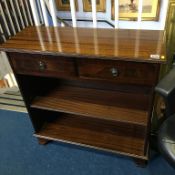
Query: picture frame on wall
[[101, 5], [128, 10], [64, 5]]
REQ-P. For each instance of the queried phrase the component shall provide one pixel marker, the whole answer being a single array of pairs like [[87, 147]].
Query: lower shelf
[[126, 140]]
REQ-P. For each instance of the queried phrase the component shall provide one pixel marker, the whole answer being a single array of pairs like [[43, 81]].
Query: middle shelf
[[96, 103]]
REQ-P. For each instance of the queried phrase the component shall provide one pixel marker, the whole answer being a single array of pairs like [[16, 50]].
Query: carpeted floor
[[20, 154]]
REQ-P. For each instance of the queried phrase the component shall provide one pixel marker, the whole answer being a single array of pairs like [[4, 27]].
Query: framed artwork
[[101, 5], [64, 5], [128, 10]]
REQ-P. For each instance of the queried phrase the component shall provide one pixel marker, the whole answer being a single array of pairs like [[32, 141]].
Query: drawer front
[[35, 64], [120, 71]]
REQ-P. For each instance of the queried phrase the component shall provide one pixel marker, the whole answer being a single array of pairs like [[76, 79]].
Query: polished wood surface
[[121, 72], [92, 87], [113, 106], [132, 45], [96, 134], [36, 64], [126, 72]]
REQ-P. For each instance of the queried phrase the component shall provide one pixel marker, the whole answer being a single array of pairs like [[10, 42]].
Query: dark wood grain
[[103, 97], [86, 102], [94, 133], [71, 94], [127, 72], [52, 66], [132, 45]]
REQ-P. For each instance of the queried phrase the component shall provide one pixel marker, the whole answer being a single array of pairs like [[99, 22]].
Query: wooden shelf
[[94, 133], [101, 104]]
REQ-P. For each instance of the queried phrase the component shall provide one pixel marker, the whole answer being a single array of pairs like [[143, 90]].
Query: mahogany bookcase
[[91, 87]]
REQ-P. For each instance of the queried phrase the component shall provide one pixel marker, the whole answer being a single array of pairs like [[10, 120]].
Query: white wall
[[150, 25]]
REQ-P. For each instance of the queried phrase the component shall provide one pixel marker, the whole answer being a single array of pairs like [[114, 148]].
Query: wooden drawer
[[35, 64], [120, 71]]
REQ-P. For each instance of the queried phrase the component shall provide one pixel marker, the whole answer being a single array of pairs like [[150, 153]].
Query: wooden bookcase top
[[119, 44]]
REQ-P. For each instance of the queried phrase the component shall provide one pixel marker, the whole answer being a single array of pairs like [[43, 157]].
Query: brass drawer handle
[[114, 72], [42, 66]]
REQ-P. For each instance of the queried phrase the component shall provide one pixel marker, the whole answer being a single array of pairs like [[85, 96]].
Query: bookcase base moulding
[[91, 87]]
